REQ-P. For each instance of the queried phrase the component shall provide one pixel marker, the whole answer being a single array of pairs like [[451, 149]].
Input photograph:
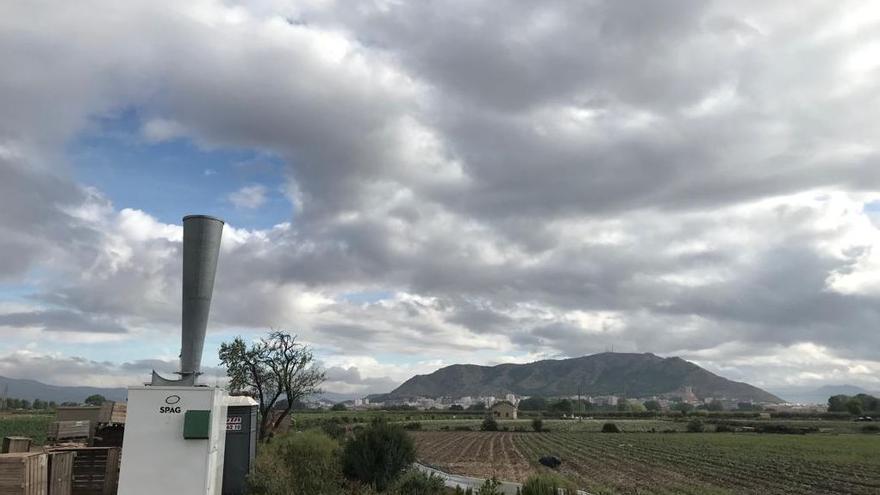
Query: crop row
[[669, 463]]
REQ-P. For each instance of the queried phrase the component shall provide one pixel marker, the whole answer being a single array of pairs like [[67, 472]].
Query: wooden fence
[[23, 474]]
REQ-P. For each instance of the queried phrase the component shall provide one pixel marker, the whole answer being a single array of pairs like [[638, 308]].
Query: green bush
[[695, 426], [297, 463], [724, 428], [415, 425], [378, 454], [334, 428], [610, 428], [537, 424], [489, 424], [871, 429], [490, 487], [415, 482], [547, 484]]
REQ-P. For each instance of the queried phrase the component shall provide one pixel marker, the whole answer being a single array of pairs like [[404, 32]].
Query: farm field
[[559, 425], [646, 463], [26, 425]]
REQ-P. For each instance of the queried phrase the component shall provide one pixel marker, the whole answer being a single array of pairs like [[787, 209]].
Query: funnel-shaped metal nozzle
[[201, 249]]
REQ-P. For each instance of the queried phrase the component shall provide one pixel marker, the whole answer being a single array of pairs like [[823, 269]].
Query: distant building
[[504, 410], [604, 400]]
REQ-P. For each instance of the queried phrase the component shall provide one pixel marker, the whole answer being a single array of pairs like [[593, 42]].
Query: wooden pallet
[[23, 473], [95, 470], [12, 445], [61, 473], [66, 430]]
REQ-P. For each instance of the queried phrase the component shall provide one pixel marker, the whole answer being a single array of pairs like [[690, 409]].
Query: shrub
[[547, 484], [415, 482], [871, 429], [785, 429], [610, 428], [463, 428], [537, 424], [695, 426], [490, 487], [489, 424], [724, 428], [415, 425], [378, 454], [334, 428], [297, 463]]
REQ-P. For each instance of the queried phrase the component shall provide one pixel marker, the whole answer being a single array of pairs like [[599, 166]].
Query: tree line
[[36, 404], [9, 403], [540, 404], [856, 404]]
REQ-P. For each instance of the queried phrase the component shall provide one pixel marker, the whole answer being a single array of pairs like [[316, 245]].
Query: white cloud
[[249, 197], [688, 178], [159, 130]]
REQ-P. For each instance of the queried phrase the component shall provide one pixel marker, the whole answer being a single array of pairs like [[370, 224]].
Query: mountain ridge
[[25, 388], [626, 374]]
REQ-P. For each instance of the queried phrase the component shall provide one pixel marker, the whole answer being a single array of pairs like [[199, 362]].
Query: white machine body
[[156, 458]]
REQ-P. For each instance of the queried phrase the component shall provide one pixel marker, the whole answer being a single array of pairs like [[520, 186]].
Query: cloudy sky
[[414, 184]]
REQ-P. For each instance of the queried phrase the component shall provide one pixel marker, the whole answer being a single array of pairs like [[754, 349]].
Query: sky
[[409, 185]]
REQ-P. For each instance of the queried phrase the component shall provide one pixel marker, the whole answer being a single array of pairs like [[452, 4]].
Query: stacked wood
[[61, 473], [64, 430], [23, 473], [95, 470], [112, 412], [109, 435], [119, 413], [78, 413], [12, 445]]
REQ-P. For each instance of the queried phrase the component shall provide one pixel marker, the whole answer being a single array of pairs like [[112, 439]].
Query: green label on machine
[[196, 425]]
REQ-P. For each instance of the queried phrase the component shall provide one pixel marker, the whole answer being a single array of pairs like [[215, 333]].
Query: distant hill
[[630, 375], [32, 389]]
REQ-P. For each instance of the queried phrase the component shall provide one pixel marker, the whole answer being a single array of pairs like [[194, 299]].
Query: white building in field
[[504, 410]]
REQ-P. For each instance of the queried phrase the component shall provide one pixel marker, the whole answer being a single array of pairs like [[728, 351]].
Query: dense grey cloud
[[60, 321], [350, 380], [519, 181]]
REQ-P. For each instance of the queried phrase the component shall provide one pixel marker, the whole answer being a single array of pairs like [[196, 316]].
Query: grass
[[26, 425]]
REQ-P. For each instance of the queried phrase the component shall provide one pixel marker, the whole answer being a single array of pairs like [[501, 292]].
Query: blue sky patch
[[174, 178]]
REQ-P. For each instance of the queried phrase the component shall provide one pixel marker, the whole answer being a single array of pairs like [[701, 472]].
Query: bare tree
[[275, 367]]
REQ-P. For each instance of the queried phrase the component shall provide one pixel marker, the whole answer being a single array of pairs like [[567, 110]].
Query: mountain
[[32, 389], [630, 375], [812, 395]]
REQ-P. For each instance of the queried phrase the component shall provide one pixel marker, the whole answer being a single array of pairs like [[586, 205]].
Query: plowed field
[[644, 463]]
